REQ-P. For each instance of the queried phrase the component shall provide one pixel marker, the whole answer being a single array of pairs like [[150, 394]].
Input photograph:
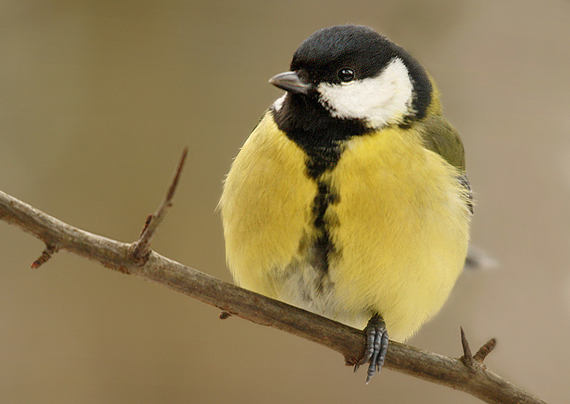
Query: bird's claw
[[376, 347]]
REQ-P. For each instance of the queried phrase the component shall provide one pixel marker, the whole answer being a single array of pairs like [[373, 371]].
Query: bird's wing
[[440, 137]]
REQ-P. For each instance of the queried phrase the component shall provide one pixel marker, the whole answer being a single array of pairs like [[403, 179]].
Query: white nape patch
[[379, 100], [279, 102]]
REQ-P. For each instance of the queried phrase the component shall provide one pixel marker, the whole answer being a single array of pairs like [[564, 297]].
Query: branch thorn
[[467, 357], [46, 255], [225, 314], [140, 249], [485, 350]]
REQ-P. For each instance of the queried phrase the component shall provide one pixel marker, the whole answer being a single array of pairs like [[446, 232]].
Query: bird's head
[[354, 73]]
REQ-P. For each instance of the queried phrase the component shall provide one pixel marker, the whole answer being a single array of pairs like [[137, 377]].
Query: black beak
[[290, 81]]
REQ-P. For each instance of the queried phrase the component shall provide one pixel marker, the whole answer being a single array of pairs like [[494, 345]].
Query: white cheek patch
[[279, 102], [379, 100]]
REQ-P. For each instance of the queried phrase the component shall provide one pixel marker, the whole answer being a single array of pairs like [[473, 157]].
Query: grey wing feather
[[464, 181]]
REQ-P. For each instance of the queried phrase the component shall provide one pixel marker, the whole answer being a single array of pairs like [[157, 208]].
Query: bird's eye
[[346, 75]]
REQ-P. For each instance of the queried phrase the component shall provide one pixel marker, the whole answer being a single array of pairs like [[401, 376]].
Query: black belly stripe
[[323, 248], [322, 137]]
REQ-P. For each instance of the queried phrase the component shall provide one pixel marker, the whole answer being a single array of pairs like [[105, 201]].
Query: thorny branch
[[141, 248], [466, 373]]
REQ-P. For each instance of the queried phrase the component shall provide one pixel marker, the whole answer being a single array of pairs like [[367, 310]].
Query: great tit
[[350, 198]]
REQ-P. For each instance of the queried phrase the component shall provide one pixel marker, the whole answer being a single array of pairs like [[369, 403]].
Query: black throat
[[321, 136]]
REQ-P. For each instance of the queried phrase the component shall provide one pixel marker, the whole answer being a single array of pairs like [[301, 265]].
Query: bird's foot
[[376, 346]]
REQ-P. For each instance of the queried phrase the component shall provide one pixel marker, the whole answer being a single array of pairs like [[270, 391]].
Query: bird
[[350, 197]]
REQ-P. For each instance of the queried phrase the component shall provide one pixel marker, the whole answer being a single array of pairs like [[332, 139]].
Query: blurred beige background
[[97, 99]]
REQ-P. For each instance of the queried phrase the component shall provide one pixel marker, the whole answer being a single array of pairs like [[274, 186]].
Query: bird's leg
[[376, 346]]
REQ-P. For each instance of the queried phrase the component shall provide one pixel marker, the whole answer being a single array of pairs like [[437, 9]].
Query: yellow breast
[[266, 207], [402, 229]]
